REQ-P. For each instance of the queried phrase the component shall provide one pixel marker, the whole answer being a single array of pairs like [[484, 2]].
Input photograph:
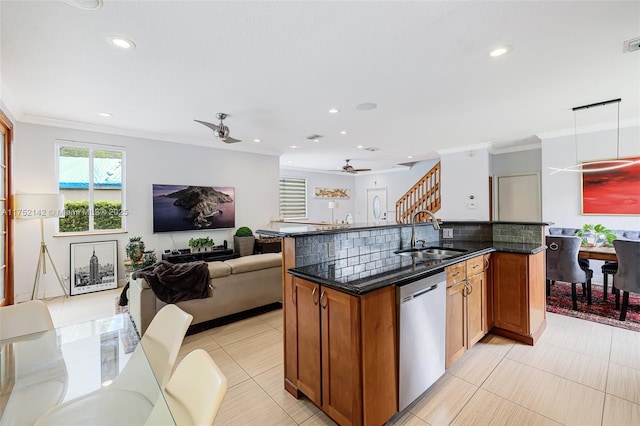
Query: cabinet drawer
[[456, 273], [475, 266]]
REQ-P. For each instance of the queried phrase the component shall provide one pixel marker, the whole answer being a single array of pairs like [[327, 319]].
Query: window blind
[[293, 198]]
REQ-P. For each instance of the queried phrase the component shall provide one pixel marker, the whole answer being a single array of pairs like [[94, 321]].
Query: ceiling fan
[[348, 168], [220, 130]]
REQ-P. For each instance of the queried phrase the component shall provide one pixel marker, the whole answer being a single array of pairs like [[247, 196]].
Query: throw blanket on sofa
[[174, 283]]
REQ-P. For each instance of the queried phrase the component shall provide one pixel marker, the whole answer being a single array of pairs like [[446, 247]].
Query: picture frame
[[336, 193], [94, 267], [615, 191]]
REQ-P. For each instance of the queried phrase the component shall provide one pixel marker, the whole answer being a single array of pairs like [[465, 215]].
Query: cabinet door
[[456, 340], [475, 308], [487, 293], [341, 381], [306, 299], [510, 282]]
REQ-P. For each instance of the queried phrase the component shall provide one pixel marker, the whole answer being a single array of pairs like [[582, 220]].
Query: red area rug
[[601, 311]]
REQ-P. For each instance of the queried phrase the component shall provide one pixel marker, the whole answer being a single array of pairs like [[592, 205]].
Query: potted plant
[[244, 241], [596, 235], [201, 245], [135, 250], [139, 257]]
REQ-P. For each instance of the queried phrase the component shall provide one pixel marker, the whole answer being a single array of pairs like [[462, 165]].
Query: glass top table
[[89, 373]]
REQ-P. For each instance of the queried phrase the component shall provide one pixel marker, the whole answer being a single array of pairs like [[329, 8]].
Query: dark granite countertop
[[362, 274], [293, 229]]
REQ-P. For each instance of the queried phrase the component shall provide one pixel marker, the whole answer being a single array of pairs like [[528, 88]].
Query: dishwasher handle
[[419, 293]]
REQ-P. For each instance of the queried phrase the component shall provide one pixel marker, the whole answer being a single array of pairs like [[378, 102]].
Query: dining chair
[[131, 395], [609, 268], [627, 279], [195, 391], [563, 265], [47, 380], [24, 318]]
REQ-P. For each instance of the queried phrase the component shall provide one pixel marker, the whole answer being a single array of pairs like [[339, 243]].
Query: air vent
[[631, 45], [370, 148], [314, 136]]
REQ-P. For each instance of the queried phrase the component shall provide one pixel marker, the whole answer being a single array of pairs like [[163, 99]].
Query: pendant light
[[600, 165]]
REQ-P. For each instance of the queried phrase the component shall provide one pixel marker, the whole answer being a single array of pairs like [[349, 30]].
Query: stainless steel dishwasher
[[421, 319]]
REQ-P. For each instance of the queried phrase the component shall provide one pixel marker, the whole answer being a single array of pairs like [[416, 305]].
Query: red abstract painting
[[614, 191]]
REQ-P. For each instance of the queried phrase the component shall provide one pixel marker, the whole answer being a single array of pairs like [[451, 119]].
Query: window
[[293, 198], [91, 178]]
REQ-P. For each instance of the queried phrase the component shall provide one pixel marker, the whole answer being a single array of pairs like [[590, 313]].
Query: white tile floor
[[579, 373]]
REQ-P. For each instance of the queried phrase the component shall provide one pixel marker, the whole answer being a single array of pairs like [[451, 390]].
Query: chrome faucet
[[434, 221]]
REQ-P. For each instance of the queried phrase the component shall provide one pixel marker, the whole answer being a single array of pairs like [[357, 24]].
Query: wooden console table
[[185, 256]]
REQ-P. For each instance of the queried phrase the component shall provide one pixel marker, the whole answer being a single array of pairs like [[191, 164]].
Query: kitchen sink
[[432, 253]]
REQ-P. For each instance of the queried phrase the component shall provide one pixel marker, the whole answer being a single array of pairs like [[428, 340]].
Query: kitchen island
[[340, 307]]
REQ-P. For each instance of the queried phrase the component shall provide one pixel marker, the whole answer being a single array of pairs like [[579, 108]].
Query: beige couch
[[236, 285]]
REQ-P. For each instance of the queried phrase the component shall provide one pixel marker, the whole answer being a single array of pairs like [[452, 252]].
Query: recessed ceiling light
[[316, 140], [410, 156], [499, 51], [289, 162], [293, 147], [85, 4], [334, 111], [122, 43], [105, 114], [367, 106], [257, 140], [360, 146], [344, 132]]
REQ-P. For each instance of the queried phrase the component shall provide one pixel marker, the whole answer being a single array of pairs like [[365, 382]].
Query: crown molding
[[611, 125]]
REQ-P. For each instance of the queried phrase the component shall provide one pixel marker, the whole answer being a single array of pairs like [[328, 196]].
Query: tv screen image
[[192, 208]]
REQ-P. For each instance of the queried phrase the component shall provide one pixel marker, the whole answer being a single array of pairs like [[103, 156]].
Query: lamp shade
[[39, 206]]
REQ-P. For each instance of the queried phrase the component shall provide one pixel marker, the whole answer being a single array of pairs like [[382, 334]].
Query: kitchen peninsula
[[341, 315]]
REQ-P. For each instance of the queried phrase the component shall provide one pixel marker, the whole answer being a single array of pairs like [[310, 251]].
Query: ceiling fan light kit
[[348, 168], [220, 131]]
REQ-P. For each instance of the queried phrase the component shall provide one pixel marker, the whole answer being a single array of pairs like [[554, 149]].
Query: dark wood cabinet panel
[[510, 292], [306, 299]]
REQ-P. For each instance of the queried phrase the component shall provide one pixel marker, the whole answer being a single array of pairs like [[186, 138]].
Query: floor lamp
[[41, 206]]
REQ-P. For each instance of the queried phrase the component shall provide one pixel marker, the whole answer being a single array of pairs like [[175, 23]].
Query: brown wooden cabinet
[[519, 295], [345, 351], [467, 290]]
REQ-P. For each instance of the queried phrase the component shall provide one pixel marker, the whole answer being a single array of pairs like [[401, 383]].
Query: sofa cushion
[[254, 262], [218, 269]]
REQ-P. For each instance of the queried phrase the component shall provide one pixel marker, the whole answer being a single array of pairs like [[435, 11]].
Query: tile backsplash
[[321, 248]]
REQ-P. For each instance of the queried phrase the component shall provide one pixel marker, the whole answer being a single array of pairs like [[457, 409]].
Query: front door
[[376, 205]]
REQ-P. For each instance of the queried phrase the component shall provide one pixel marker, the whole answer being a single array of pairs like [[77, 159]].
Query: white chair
[[45, 382], [194, 392], [131, 395], [24, 318]]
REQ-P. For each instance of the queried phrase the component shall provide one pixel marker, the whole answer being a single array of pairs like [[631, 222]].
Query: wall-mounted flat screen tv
[[192, 208]]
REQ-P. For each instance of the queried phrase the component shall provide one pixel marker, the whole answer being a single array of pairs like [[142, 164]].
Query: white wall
[[318, 208], [397, 184], [255, 178], [465, 174], [516, 162], [561, 192]]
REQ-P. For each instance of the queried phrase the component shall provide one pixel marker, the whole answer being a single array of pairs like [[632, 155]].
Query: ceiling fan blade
[[362, 170], [229, 139], [212, 126]]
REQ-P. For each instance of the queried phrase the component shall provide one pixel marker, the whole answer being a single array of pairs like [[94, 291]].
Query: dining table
[[597, 253], [94, 372]]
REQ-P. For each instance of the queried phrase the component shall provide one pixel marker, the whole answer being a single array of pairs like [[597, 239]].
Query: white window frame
[[306, 204], [60, 143]]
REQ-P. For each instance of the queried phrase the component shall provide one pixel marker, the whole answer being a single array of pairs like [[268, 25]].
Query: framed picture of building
[[93, 267]]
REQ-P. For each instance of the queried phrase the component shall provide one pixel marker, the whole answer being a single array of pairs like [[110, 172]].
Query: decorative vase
[[244, 245], [594, 239]]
